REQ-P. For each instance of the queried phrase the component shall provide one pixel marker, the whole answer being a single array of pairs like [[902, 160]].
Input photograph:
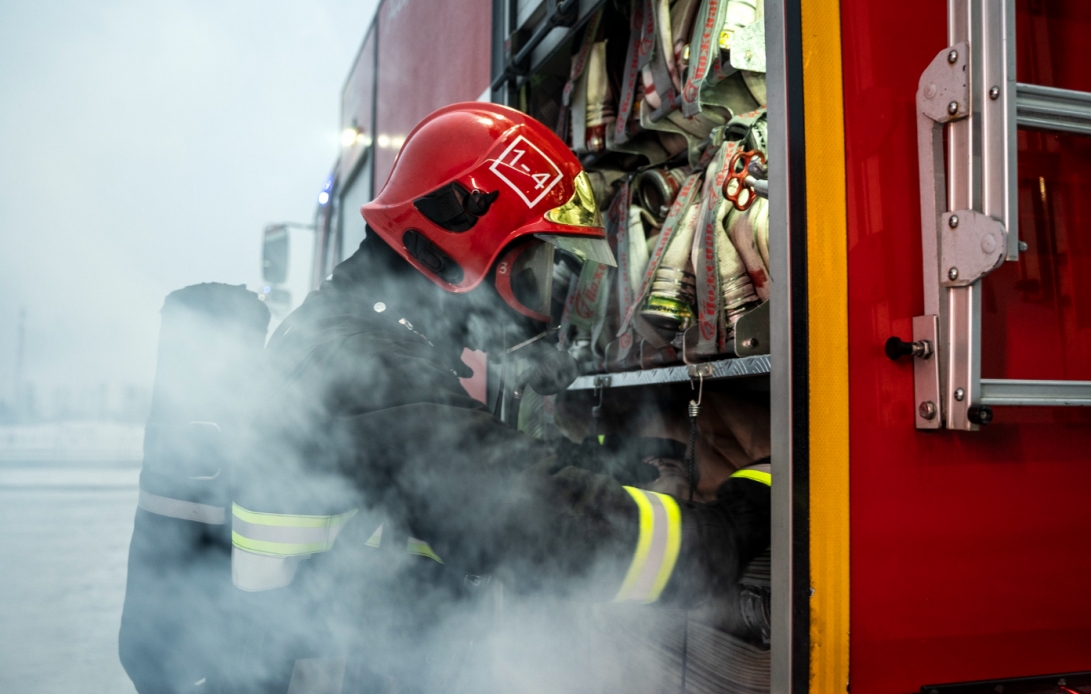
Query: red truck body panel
[[430, 55], [357, 99], [971, 552]]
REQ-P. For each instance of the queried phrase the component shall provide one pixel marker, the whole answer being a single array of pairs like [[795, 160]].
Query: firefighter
[[367, 440]]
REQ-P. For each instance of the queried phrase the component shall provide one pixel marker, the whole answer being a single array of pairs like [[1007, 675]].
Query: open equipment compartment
[[665, 104]]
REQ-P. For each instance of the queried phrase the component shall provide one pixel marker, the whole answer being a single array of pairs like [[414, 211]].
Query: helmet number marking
[[526, 170], [540, 179]]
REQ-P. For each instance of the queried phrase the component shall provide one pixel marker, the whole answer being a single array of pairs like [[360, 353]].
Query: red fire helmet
[[471, 180]]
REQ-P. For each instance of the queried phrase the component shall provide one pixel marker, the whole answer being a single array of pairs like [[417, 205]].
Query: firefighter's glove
[[718, 541], [545, 368], [624, 459], [587, 455]]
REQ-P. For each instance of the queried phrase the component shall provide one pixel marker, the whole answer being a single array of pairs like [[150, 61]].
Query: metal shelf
[[740, 367]]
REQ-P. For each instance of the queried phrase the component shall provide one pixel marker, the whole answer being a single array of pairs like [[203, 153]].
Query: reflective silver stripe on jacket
[[257, 572], [267, 547], [183, 510], [285, 534]]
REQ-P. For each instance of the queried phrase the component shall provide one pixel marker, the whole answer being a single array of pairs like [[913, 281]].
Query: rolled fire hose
[[659, 71], [728, 277], [655, 190], [669, 307], [744, 228], [761, 233], [575, 96], [735, 285], [600, 99]]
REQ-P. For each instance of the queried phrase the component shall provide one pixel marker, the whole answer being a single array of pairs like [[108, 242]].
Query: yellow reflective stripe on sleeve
[[756, 475], [413, 545], [657, 547], [421, 549], [285, 535], [286, 520]]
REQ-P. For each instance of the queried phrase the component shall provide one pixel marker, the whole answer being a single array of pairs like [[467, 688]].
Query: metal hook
[[700, 389]]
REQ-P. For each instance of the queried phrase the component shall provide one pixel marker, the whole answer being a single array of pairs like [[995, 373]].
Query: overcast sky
[[143, 147]]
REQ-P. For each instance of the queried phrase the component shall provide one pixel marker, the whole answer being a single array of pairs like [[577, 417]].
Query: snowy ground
[[66, 515]]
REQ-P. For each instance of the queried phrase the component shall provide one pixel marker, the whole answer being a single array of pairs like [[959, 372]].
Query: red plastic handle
[[738, 175]]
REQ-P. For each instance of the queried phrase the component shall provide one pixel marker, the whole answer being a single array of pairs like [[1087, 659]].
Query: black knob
[[980, 414], [896, 347]]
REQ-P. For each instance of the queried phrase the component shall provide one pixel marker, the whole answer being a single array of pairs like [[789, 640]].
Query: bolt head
[[952, 57], [952, 221], [960, 394], [988, 243], [379, 307], [952, 274], [980, 415], [1022, 246], [752, 342], [927, 410], [994, 93], [952, 108]]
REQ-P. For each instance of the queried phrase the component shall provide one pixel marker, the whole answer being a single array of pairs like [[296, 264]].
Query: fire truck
[[924, 348]]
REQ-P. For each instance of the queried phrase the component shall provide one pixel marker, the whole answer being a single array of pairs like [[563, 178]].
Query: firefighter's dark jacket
[[368, 412]]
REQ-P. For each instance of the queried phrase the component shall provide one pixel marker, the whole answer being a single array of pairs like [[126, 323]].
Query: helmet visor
[[524, 279], [583, 247], [580, 210]]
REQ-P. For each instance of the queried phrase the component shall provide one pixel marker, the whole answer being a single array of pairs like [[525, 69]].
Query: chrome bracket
[[926, 376], [971, 245], [696, 371], [943, 96]]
